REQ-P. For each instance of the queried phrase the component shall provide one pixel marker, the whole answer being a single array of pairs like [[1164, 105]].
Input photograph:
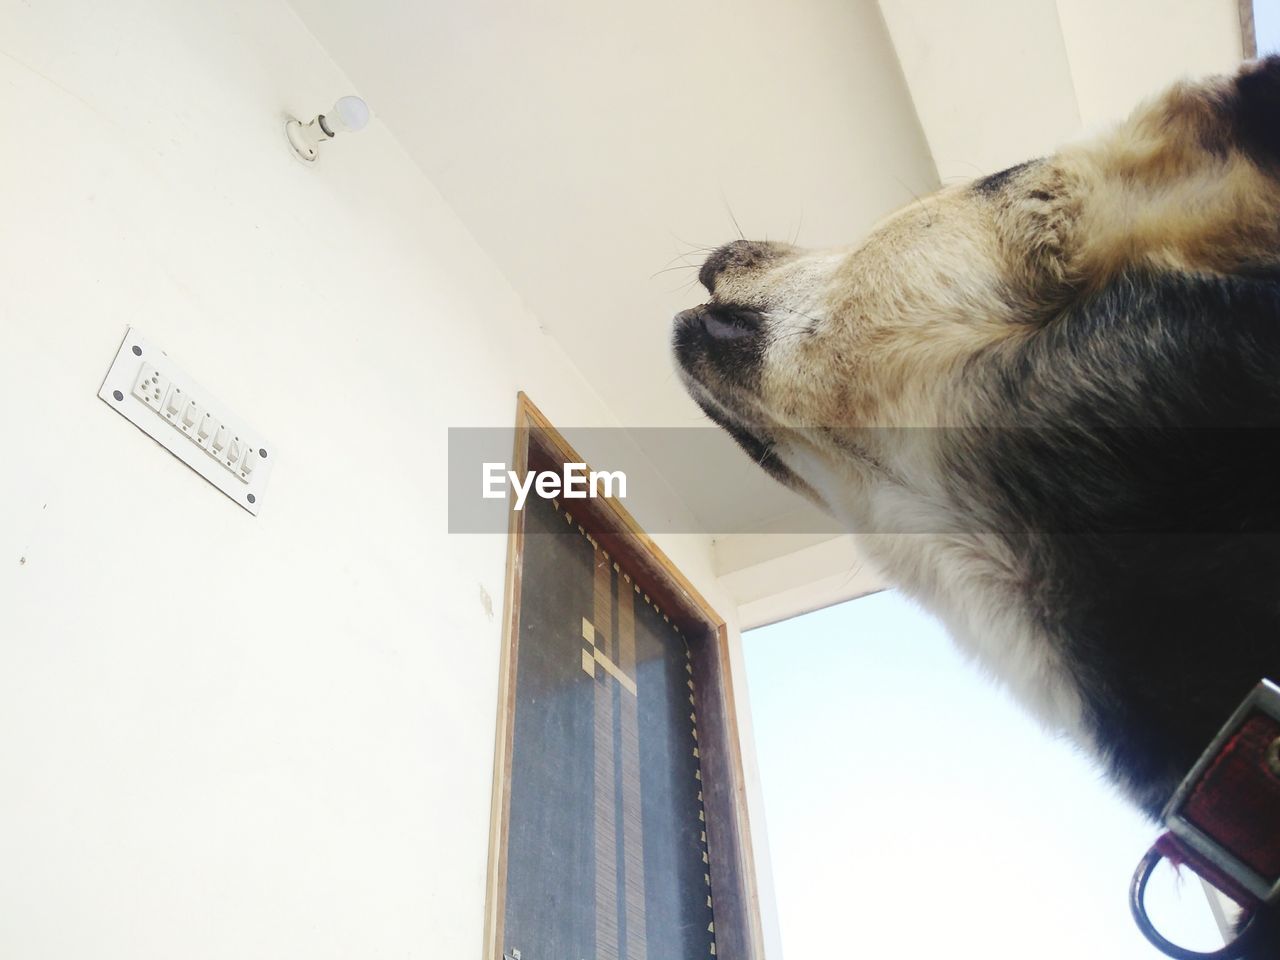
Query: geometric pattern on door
[[607, 855]]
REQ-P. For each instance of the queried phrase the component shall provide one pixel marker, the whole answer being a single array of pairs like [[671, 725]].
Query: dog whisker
[[732, 217], [795, 237], [678, 266]]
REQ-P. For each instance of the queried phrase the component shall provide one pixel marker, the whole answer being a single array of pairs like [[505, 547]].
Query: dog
[[1045, 403]]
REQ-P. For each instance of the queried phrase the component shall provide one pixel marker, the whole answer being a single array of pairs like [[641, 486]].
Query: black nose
[[739, 254], [735, 252]]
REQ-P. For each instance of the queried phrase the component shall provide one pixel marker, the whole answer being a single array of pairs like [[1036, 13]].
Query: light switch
[[191, 416], [207, 428], [174, 404], [150, 391]]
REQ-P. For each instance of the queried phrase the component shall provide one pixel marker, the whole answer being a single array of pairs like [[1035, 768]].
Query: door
[[618, 828], [607, 846]]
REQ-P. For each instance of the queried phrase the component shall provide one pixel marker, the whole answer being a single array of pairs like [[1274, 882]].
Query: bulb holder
[[348, 115], [305, 139]]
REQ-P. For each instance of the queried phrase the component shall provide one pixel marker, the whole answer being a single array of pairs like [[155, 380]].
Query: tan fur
[[957, 272]]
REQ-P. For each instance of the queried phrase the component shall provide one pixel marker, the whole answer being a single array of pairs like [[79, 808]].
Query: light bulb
[[349, 115]]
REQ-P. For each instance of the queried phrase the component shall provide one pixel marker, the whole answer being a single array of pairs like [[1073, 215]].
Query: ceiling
[[596, 149], [590, 146]]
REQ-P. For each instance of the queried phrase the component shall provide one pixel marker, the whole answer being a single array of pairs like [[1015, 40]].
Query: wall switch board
[[146, 388]]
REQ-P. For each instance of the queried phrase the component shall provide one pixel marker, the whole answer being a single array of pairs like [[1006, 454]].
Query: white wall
[[1122, 53], [990, 81], [219, 735], [1004, 81]]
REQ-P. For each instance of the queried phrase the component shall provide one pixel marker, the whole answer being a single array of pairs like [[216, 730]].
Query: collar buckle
[[1225, 815]]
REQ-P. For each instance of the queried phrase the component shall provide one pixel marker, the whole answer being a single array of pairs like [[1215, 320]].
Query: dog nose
[[737, 251], [740, 255]]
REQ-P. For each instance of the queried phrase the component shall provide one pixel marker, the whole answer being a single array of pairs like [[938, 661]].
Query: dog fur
[[1046, 403]]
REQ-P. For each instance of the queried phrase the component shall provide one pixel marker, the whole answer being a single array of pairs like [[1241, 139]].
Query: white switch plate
[[147, 389]]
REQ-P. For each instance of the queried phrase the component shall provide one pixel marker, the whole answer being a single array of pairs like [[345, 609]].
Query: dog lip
[[718, 322]]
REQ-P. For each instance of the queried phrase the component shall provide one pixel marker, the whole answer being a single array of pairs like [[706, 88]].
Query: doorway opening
[[903, 789]]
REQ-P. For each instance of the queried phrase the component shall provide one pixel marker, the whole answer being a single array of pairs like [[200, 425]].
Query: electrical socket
[[150, 387], [201, 432]]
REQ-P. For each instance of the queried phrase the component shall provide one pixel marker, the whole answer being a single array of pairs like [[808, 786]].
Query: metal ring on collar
[[1137, 904]]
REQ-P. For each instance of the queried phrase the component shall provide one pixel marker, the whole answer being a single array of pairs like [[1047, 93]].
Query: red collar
[[1224, 819]]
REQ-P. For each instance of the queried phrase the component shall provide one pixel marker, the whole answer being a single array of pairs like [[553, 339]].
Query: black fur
[[998, 181], [1136, 468], [720, 345], [1140, 451], [1256, 109]]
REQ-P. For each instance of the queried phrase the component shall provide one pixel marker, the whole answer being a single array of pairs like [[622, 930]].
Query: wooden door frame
[[737, 912]]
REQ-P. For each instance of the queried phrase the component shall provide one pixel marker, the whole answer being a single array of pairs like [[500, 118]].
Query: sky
[[914, 811], [1266, 26]]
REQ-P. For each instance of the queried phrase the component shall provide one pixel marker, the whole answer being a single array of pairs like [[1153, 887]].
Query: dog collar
[[1224, 822]]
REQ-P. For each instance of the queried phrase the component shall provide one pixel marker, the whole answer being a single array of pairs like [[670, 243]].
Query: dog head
[[806, 356]]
